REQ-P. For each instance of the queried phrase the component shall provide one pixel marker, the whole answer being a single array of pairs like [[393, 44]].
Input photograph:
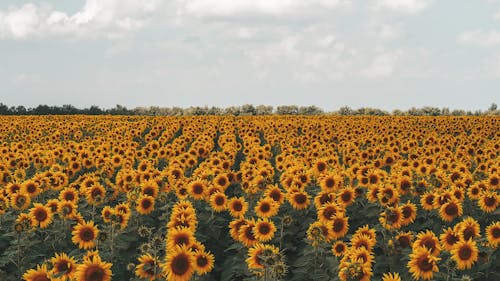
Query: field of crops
[[249, 198]]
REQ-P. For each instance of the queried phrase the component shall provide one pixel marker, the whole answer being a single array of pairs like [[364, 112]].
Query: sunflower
[[450, 210], [180, 264], [327, 211], [493, 234], [448, 239], [94, 269], [237, 206], [465, 254], [404, 239], [468, 228], [204, 262], [234, 227], [363, 240], [362, 254], [20, 201], [488, 201], [257, 253], [388, 195], [218, 201], [299, 199], [266, 208], [40, 215], [67, 209], [427, 240], [39, 274], [423, 264], [427, 200], [246, 234], [197, 189], [391, 277], [85, 234], [106, 213], [148, 267], [275, 193], [95, 194], [264, 230], [145, 204], [330, 182], [64, 267], [346, 196], [69, 194], [339, 226], [339, 248], [391, 218], [409, 212], [181, 236], [31, 188]]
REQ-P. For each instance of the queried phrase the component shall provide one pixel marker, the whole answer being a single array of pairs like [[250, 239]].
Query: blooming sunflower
[[423, 264], [493, 234], [449, 238], [40, 215], [204, 262], [94, 269], [145, 204], [181, 236], [339, 226], [64, 267], [427, 240], [465, 253], [468, 228], [237, 206], [180, 264], [299, 199], [339, 248], [264, 230], [85, 234], [39, 274], [218, 201], [266, 208], [488, 201], [450, 210], [391, 277]]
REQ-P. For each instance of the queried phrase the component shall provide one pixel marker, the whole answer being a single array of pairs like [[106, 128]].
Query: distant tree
[[493, 107], [310, 110], [287, 110], [264, 110], [345, 110], [248, 109]]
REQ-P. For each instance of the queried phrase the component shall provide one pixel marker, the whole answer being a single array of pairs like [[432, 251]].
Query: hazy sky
[[379, 53]]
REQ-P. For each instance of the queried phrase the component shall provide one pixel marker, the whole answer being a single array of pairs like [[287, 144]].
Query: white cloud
[[497, 16], [383, 65], [109, 18], [389, 31], [480, 38], [406, 6], [226, 8]]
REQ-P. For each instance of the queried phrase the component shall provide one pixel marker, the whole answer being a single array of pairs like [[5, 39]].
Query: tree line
[[243, 110]]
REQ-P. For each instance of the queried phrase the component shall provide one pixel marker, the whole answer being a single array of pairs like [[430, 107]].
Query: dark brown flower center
[[465, 253], [87, 234], [94, 273], [180, 264]]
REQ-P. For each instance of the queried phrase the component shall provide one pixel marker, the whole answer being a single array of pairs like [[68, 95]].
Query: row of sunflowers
[[105, 198]]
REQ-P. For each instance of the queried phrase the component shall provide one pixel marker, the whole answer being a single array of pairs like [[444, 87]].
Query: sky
[[387, 54]]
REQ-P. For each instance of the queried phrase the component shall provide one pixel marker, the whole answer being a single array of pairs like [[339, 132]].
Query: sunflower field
[[100, 198]]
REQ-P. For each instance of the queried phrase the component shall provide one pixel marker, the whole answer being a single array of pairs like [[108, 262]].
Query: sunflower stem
[[19, 269], [281, 231]]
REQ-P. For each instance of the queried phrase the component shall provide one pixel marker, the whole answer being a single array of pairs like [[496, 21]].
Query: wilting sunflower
[[85, 234], [64, 267], [148, 267], [264, 230], [448, 239], [493, 234], [39, 274], [339, 248], [258, 252], [488, 201], [106, 213], [391, 277], [299, 199], [180, 264], [94, 269], [423, 264], [450, 210], [237, 206], [465, 253], [204, 262], [145, 204], [40, 215]]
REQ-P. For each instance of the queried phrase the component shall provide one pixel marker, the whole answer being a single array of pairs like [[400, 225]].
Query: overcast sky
[[330, 53]]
